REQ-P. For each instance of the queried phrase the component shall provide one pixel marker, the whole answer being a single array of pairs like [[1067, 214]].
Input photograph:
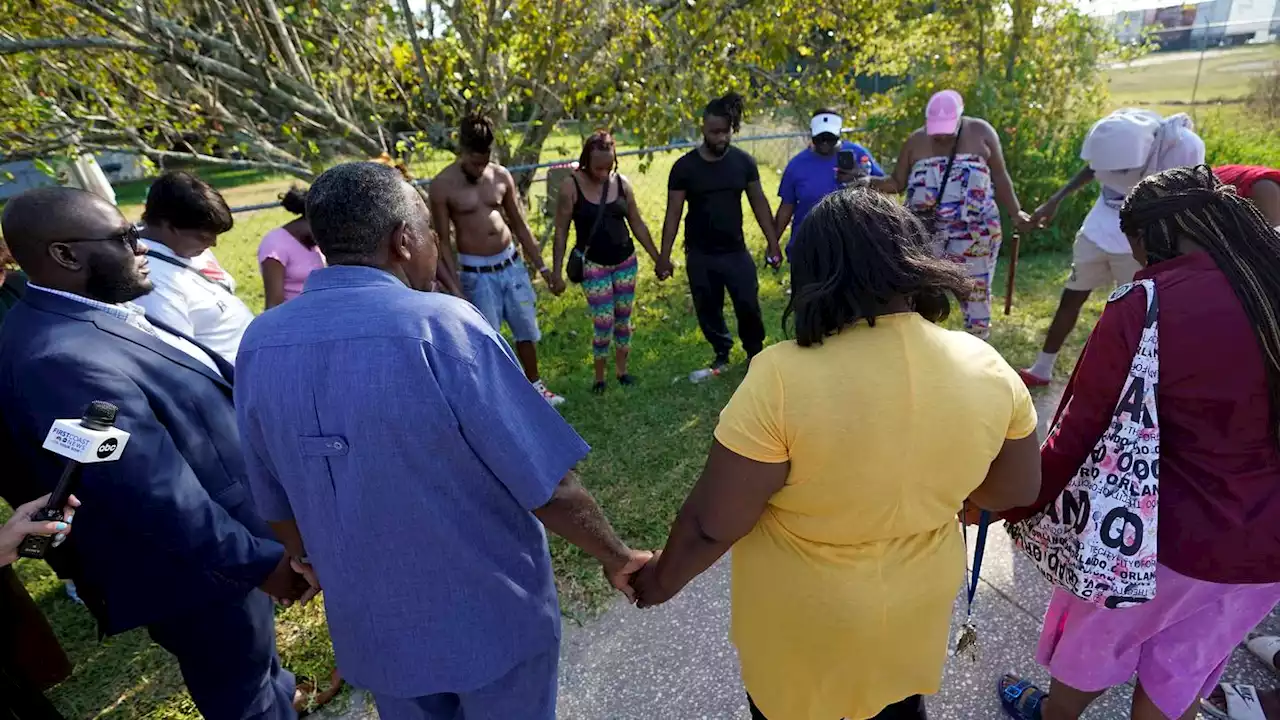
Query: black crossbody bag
[[578, 256], [930, 216]]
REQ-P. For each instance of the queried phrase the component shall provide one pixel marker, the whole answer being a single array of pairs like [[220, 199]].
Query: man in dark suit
[[168, 537]]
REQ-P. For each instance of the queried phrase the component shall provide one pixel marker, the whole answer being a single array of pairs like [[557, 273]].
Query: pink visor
[[942, 114]]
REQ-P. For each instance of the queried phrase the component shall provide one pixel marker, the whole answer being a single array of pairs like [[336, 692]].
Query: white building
[[1198, 23]]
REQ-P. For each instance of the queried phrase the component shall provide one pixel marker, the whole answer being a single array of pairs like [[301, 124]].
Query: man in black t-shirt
[[712, 178]]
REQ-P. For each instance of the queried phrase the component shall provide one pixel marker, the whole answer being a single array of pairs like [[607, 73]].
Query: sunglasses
[[129, 237]]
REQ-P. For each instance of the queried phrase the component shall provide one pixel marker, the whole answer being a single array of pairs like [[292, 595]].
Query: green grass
[[135, 192], [1163, 79]]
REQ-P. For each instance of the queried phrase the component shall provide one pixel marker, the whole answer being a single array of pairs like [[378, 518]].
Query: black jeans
[[709, 276], [227, 654], [910, 709]]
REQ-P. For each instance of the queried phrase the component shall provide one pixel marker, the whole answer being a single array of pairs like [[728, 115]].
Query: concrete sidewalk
[[675, 662]]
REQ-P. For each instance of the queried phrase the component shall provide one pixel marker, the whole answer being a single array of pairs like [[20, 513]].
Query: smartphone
[[846, 161]]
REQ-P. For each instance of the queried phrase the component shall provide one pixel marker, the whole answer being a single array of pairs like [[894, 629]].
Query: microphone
[[91, 439]]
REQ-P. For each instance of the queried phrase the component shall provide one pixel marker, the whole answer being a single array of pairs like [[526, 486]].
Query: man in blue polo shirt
[[813, 174], [409, 468]]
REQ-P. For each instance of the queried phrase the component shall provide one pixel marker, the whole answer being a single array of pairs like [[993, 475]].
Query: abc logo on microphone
[[107, 447]]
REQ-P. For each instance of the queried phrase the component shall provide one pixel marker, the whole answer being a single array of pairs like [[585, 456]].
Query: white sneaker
[[552, 399]]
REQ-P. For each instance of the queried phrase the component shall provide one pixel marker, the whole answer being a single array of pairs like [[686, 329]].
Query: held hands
[[970, 514], [663, 268], [21, 525], [1042, 216], [285, 585], [773, 256], [1024, 222], [555, 283], [309, 574], [649, 590], [620, 571]]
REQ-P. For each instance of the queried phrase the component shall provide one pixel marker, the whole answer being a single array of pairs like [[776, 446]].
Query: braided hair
[[475, 133], [1191, 202], [598, 140], [728, 106]]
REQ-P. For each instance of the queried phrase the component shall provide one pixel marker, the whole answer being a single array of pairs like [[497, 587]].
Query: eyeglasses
[[129, 237]]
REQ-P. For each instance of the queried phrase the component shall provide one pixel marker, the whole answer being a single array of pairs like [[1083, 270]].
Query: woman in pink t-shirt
[[288, 254]]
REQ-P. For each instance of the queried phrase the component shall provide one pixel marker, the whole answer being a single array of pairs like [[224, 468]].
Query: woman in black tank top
[[604, 213]]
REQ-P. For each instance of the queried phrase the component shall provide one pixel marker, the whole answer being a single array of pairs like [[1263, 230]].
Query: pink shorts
[[1177, 644]]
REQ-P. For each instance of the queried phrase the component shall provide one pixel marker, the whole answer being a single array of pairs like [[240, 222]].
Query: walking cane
[[1013, 273]]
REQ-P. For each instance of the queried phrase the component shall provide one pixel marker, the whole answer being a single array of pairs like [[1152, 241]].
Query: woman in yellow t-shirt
[[839, 466]]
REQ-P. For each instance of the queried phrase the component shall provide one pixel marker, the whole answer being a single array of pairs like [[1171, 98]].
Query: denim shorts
[[505, 295]]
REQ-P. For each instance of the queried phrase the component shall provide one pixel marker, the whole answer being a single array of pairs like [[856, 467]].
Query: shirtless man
[[472, 196]]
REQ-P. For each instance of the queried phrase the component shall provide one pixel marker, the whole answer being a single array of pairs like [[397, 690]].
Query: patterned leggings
[[978, 256], [610, 289]]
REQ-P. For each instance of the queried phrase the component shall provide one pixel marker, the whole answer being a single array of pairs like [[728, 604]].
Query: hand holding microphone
[[21, 525], [91, 439]]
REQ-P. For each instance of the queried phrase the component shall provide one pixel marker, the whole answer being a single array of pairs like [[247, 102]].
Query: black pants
[[910, 709], [709, 276], [227, 653]]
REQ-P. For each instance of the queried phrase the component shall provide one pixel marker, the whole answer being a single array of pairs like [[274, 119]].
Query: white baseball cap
[[826, 123]]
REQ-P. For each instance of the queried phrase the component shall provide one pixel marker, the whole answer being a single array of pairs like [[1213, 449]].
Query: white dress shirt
[[191, 303], [136, 316]]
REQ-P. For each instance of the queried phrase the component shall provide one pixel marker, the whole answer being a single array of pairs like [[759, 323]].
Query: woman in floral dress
[[963, 209]]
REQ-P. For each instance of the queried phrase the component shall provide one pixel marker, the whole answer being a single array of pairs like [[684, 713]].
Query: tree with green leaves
[[253, 83], [235, 83], [648, 67], [294, 85]]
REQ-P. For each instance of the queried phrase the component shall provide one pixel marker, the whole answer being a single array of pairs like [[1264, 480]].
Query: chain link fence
[[646, 168]]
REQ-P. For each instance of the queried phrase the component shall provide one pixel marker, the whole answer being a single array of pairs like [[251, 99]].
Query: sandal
[[1242, 704], [600, 387], [1265, 647], [1020, 699], [308, 699]]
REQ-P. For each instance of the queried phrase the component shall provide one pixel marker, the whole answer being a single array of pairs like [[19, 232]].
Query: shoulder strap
[[595, 226], [946, 174], [165, 258]]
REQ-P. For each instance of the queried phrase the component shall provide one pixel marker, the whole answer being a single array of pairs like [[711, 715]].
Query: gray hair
[[353, 207]]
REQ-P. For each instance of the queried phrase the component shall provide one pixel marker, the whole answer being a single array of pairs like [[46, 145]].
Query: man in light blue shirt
[[397, 448]]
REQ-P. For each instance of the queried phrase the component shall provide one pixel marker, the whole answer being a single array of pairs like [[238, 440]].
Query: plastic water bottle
[[702, 375]]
